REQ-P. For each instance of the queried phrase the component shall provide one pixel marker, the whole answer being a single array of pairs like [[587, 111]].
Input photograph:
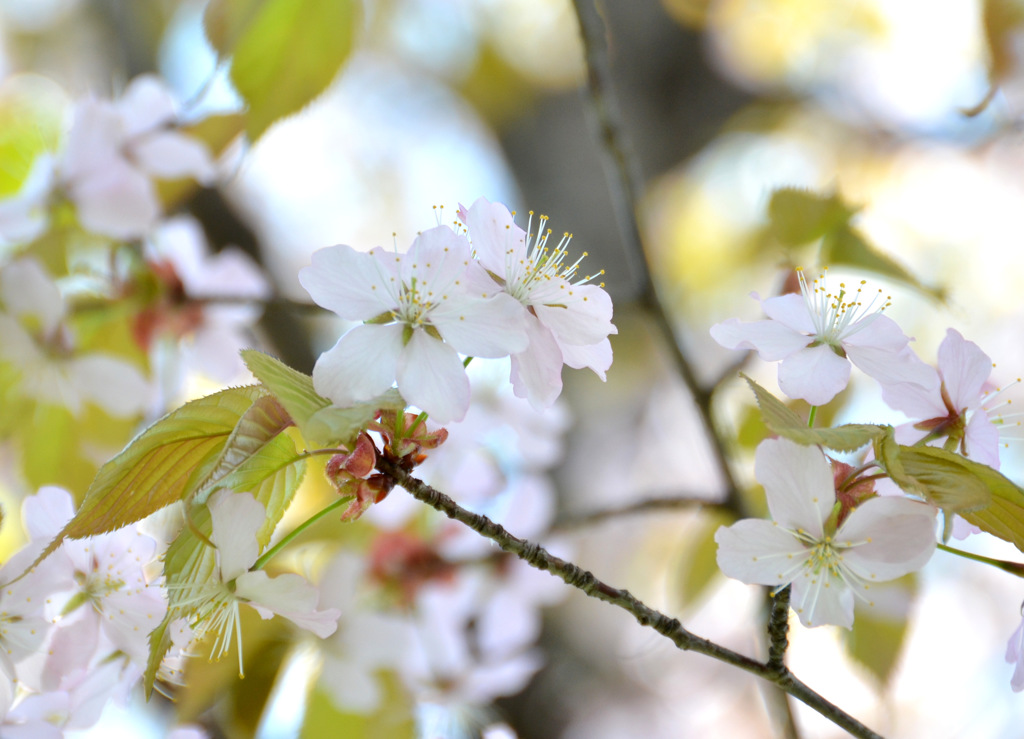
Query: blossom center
[[837, 316], [540, 262]]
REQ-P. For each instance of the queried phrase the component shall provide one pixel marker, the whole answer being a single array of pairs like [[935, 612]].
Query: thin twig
[[650, 505], [575, 576], [624, 181]]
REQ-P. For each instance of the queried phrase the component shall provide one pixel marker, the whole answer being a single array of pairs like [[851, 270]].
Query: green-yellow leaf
[[947, 480], [158, 465], [258, 426], [785, 422], [284, 53], [800, 216], [846, 246]]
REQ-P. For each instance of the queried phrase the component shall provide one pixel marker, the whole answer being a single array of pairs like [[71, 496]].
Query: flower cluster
[[839, 529], [493, 291]]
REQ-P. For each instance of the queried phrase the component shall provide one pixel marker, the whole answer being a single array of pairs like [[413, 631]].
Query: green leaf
[[257, 427], [785, 422], [945, 479], [800, 216], [846, 246], [284, 53], [158, 466], [321, 423], [1004, 515]]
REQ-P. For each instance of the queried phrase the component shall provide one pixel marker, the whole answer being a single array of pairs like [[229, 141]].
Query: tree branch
[[584, 580]]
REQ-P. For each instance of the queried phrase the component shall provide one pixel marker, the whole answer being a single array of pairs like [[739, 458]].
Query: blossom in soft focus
[[423, 308], [98, 587], [115, 149], [1015, 657], [211, 333], [35, 340], [568, 322], [882, 539], [818, 333], [236, 518]]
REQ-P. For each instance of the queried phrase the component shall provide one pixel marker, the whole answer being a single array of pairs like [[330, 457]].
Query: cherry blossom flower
[[882, 539], [818, 333], [953, 406], [424, 307], [236, 517], [36, 341], [114, 150], [568, 322], [211, 334]]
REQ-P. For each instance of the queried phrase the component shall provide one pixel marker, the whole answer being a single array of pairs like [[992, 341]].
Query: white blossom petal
[[797, 482], [236, 517], [771, 339], [964, 368], [361, 365], [759, 552], [287, 595], [887, 537], [820, 598], [431, 376], [791, 311], [815, 374], [355, 285]]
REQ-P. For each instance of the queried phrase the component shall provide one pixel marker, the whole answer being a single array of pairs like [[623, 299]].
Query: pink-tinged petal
[[759, 552], [964, 368], [816, 374], [431, 376], [27, 290], [145, 104], [791, 311], [362, 365], [772, 340], [875, 331], [496, 238], [797, 482], [490, 328], [582, 315], [819, 599], [355, 285], [287, 595], [961, 529], [114, 385], [917, 401], [236, 517], [892, 367], [437, 260], [981, 439], [1015, 656], [116, 200], [171, 155], [597, 357], [537, 373], [887, 538]]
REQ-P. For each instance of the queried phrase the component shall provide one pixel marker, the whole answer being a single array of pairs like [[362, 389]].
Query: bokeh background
[[722, 102]]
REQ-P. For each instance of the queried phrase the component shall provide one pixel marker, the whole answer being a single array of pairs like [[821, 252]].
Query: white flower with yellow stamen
[[569, 321], [423, 308], [818, 333], [882, 539]]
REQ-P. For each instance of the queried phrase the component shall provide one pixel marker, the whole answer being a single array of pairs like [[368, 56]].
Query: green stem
[[1014, 568], [811, 416], [292, 535]]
